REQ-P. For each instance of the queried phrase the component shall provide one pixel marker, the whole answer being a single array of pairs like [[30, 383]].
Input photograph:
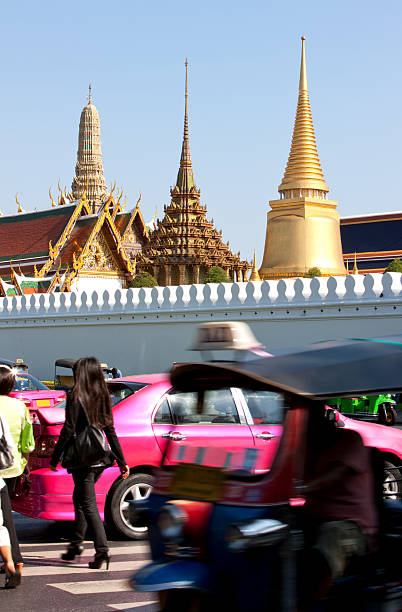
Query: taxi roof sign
[[224, 335]]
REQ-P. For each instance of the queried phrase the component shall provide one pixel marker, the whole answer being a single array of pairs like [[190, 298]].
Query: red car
[[148, 413], [35, 394]]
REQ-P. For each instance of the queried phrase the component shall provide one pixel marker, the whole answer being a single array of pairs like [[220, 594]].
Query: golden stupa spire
[[185, 178], [254, 276], [303, 175], [355, 268]]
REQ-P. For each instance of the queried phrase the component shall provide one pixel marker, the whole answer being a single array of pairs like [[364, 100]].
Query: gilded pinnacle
[[254, 276], [185, 178], [303, 170]]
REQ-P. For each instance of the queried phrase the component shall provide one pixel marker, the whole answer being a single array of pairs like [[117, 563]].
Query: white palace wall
[[144, 330]]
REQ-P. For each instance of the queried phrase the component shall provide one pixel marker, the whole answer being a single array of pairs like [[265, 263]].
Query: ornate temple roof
[[303, 170], [185, 235], [89, 168]]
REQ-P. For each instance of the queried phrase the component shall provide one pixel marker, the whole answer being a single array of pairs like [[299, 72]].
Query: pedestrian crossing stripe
[[94, 586], [135, 549], [133, 605], [75, 568]]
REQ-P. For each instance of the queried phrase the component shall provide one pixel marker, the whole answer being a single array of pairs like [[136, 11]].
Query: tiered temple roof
[[185, 244]]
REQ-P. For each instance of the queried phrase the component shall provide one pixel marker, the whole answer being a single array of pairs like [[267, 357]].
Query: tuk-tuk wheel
[[135, 487], [386, 414]]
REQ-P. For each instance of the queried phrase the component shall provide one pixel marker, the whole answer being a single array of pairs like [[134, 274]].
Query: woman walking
[[88, 403], [15, 415], [13, 575]]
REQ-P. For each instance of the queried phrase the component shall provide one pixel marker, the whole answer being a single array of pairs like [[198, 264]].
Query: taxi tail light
[[45, 445], [26, 401], [61, 398]]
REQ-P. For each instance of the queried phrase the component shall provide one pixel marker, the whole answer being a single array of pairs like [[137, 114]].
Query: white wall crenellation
[[292, 292], [144, 330]]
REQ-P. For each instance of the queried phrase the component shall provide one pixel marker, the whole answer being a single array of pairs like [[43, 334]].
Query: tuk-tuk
[[18, 365], [380, 408], [225, 535], [64, 377]]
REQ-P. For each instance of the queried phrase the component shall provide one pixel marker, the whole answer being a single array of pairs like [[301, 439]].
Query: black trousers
[[9, 523], [86, 510]]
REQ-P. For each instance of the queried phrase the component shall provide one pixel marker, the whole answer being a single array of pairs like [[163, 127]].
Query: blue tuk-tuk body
[[226, 537]]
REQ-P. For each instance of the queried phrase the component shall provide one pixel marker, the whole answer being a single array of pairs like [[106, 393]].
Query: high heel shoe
[[74, 550], [98, 561], [12, 580]]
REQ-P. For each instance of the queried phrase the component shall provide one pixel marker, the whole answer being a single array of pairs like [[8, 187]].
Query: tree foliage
[[313, 272], [217, 275], [143, 279], [394, 266]]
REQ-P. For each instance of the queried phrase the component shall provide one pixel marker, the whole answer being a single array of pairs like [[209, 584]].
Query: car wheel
[[135, 487], [391, 487], [386, 414]]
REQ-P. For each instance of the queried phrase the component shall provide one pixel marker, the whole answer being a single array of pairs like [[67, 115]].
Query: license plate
[[42, 403], [197, 481]]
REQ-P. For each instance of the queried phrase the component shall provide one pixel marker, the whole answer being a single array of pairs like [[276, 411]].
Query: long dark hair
[[90, 390]]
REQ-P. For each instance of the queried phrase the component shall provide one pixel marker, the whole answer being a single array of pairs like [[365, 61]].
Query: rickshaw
[[380, 408], [63, 373], [225, 535]]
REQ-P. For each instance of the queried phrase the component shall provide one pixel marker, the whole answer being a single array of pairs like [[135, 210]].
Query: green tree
[[143, 279], [394, 266], [217, 275], [312, 272]]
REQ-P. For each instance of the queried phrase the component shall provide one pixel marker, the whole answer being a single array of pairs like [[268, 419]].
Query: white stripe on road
[[33, 555], [38, 544], [95, 586], [54, 570], [137, 604]]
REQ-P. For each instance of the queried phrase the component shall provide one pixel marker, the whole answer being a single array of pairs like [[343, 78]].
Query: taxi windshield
[[26, 382]]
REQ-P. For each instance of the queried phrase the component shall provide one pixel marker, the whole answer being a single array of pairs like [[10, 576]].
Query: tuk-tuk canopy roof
[[69, 363], [65, 363], [336, 368]]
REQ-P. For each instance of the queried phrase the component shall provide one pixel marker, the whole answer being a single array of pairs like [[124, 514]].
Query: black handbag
[[87, 448], [6, 454]]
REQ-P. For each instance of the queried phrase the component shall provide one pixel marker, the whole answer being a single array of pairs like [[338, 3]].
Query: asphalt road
[[49, 584]]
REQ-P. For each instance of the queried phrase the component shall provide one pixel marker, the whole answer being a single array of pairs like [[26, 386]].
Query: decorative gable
[[99, 258]]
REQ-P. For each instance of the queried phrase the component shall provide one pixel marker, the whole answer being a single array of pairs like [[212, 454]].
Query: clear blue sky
[[244, 62]]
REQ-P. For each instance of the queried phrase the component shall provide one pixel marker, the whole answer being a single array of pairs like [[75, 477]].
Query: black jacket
[[76, 422]]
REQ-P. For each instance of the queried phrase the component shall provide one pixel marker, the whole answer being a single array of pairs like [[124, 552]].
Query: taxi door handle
[[265, 436], [175, 435]]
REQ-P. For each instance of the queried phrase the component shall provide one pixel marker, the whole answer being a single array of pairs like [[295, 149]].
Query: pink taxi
[[148, 413], [35, 394]]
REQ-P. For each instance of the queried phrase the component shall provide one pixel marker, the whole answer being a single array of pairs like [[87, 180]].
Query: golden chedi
[[303, 226]]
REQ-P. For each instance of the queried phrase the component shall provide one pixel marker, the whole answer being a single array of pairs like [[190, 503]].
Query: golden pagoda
[[303, 226]]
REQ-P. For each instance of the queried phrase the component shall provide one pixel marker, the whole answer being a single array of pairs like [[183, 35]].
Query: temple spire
[[185, 177], [303, 175], [89, 168]]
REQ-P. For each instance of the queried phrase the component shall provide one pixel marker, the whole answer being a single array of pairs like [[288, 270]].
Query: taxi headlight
[[171, 520], [259, 532]]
